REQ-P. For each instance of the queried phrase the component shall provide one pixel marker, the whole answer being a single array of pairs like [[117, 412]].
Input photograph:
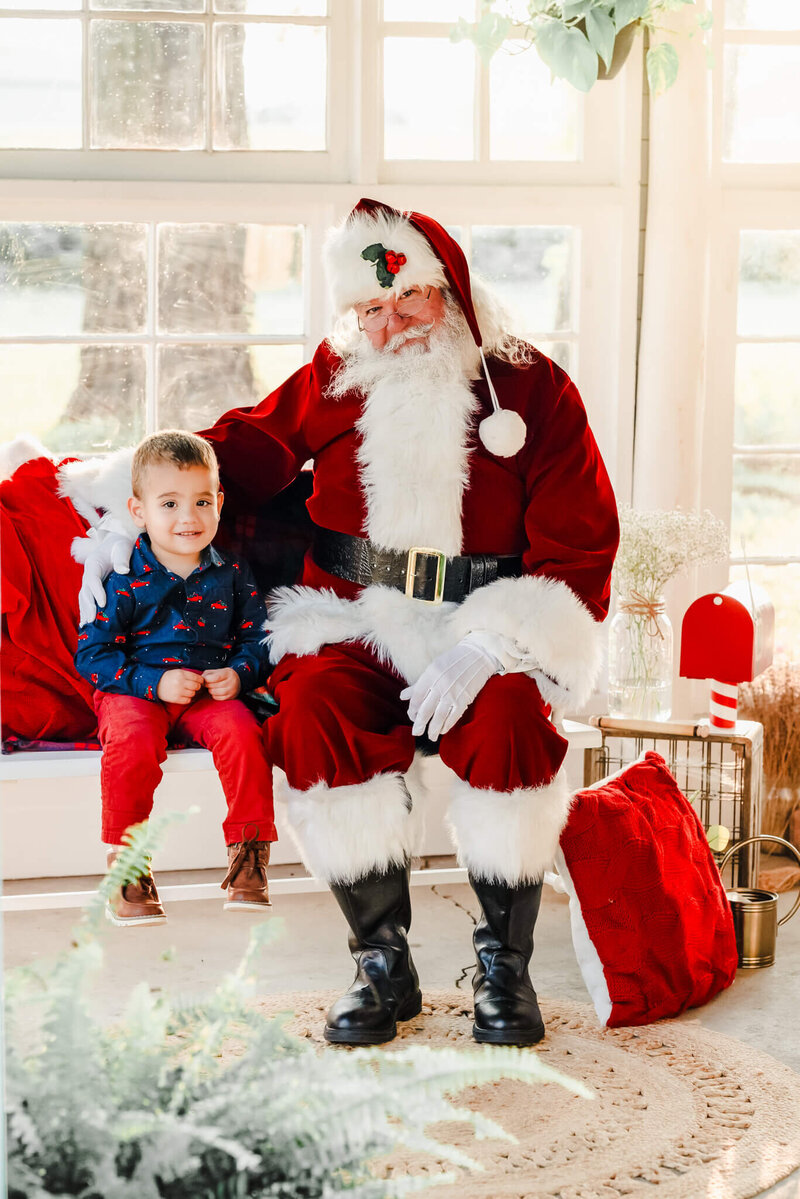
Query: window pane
[[434, 121], [761, 14], [562, 352], [767, 409], [762, 96], [782, 585], [766, 504], [75, 398], [148, 85], [197, 383], [428, 10], [72, 279], [532, 269], [275, 8], [769, 282], [530, 116], [150, 5], [230, 279], [40, 84], [259, 103]]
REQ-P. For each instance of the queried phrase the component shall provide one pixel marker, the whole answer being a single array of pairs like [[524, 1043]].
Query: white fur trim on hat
[[353, 279]]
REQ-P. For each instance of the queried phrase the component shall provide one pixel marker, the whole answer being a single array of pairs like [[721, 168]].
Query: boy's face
[[179, 508]]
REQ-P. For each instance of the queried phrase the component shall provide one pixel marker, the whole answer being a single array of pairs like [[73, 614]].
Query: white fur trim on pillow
[[104, 483], [548, 623], [344, 833], [353, 279], [21, 449], [509, 836], [591, 967]]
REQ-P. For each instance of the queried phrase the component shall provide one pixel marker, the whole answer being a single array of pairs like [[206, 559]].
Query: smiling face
[[179, 508], [398, 332]]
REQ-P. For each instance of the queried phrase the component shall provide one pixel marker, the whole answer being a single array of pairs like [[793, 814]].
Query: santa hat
[[380, 251]]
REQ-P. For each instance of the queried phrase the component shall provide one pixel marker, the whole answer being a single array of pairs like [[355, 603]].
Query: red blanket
[[43, 696]]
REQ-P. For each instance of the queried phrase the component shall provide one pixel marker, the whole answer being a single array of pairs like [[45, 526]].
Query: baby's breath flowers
[[657, 545]]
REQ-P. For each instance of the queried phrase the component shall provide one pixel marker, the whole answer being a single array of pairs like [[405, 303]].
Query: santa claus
[[465, 533]]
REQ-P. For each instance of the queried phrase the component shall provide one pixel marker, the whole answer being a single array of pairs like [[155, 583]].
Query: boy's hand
[[179, 686], [223, 683]]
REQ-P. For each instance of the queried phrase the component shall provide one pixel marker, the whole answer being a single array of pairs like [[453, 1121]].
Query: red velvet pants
[[134, 732], [341, 721]]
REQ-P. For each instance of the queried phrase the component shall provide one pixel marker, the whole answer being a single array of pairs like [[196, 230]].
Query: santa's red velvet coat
[[552, 503]]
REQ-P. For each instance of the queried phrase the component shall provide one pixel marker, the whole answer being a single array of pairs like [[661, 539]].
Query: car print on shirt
[[127, 594], [172, 659], [140, 583], [181, 625], [149, 693], [193, 599], [83, 636], [220, 606], [120, 639], [102, 616], [120, 673]]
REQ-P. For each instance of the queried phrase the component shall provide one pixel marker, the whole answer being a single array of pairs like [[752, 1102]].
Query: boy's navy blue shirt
[[154, 621]]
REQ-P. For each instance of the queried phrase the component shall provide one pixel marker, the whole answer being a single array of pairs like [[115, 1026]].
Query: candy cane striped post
[[724, 702]]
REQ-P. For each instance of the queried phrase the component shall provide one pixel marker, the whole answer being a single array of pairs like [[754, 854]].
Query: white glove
[[105, 548], [444, 691]]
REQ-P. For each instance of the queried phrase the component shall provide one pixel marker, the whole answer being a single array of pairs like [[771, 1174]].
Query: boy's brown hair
[[172, 445]]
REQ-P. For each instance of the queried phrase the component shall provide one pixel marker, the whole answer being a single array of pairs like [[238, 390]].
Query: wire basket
[[719, 770]]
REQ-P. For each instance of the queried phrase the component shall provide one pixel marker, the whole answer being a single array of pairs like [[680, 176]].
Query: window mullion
[[151, 352]]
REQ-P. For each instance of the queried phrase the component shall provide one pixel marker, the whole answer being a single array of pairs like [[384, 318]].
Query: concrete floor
[[761, 1008]]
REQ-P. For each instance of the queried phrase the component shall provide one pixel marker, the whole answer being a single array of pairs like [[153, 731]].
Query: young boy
[[179, 639]]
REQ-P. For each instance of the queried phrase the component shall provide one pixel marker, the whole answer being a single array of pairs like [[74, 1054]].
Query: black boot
[[506, 1011], [386, 986]]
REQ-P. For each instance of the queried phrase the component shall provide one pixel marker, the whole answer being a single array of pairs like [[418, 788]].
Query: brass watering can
[[755, 913]]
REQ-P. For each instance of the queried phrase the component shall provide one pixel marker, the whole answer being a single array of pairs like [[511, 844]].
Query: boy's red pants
[[133, 733]]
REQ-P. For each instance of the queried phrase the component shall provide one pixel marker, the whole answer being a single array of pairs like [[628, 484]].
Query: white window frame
[[759, 196]]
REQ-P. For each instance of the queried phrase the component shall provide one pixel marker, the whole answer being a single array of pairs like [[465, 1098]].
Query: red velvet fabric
[[43, 696], [552, 503], [353, 725], [650, 894], [134, 733]]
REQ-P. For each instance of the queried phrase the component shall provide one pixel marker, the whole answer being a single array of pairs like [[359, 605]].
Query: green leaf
[[373, 253], [662, 67], [572, 9], [626, 11], [487, 34], [568, 54], [601, 33], [718, 837]]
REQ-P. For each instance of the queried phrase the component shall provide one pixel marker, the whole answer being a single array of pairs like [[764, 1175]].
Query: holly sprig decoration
[[387, 262]]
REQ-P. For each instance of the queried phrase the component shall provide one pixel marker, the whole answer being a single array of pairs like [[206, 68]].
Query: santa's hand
[[101, 551], [444, 691]]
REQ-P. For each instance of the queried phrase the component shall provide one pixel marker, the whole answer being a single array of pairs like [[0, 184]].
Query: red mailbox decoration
[[727, 637]]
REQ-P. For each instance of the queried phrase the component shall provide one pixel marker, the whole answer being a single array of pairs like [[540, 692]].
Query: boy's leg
[[230, 730], [133, 733]]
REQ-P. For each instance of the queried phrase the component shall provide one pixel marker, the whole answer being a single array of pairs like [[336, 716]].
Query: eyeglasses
[[373, 317]]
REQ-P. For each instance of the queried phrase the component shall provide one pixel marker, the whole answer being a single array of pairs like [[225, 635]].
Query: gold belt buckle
[[411, 571]]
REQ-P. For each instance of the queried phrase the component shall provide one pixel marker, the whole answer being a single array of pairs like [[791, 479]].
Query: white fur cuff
[[509, 836], [549, 625], [344, 833]]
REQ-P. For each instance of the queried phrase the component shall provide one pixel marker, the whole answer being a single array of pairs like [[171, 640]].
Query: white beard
[[414, 428]]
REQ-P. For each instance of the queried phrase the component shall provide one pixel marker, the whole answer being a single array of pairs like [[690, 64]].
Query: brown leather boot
[[135, 903], [246, 879]]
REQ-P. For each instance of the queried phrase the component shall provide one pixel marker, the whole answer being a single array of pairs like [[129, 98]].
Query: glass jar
[[640, 660]]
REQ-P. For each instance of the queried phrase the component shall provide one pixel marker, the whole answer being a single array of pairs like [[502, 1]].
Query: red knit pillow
[[651, 925]]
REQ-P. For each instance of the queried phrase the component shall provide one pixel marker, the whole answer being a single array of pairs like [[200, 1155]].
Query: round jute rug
[[680, 1112]]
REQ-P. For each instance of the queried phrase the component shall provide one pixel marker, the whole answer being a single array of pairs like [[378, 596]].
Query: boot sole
[[246, 907], [354, 1036], [494, 1036], [126, 921]]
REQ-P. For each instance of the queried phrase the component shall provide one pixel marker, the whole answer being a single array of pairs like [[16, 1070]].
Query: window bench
[[50, 818]]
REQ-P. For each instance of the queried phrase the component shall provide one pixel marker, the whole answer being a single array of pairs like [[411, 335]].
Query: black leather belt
[[422, 573]]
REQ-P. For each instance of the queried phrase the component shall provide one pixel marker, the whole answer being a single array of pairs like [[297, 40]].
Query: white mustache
[[401, 338]]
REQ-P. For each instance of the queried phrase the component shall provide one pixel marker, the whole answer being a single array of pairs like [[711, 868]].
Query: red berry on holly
[[401, 258]]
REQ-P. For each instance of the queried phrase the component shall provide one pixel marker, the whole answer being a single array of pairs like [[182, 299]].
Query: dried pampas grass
[[773, 699]]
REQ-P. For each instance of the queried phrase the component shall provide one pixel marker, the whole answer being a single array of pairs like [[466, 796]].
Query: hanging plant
[[577, 39]]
